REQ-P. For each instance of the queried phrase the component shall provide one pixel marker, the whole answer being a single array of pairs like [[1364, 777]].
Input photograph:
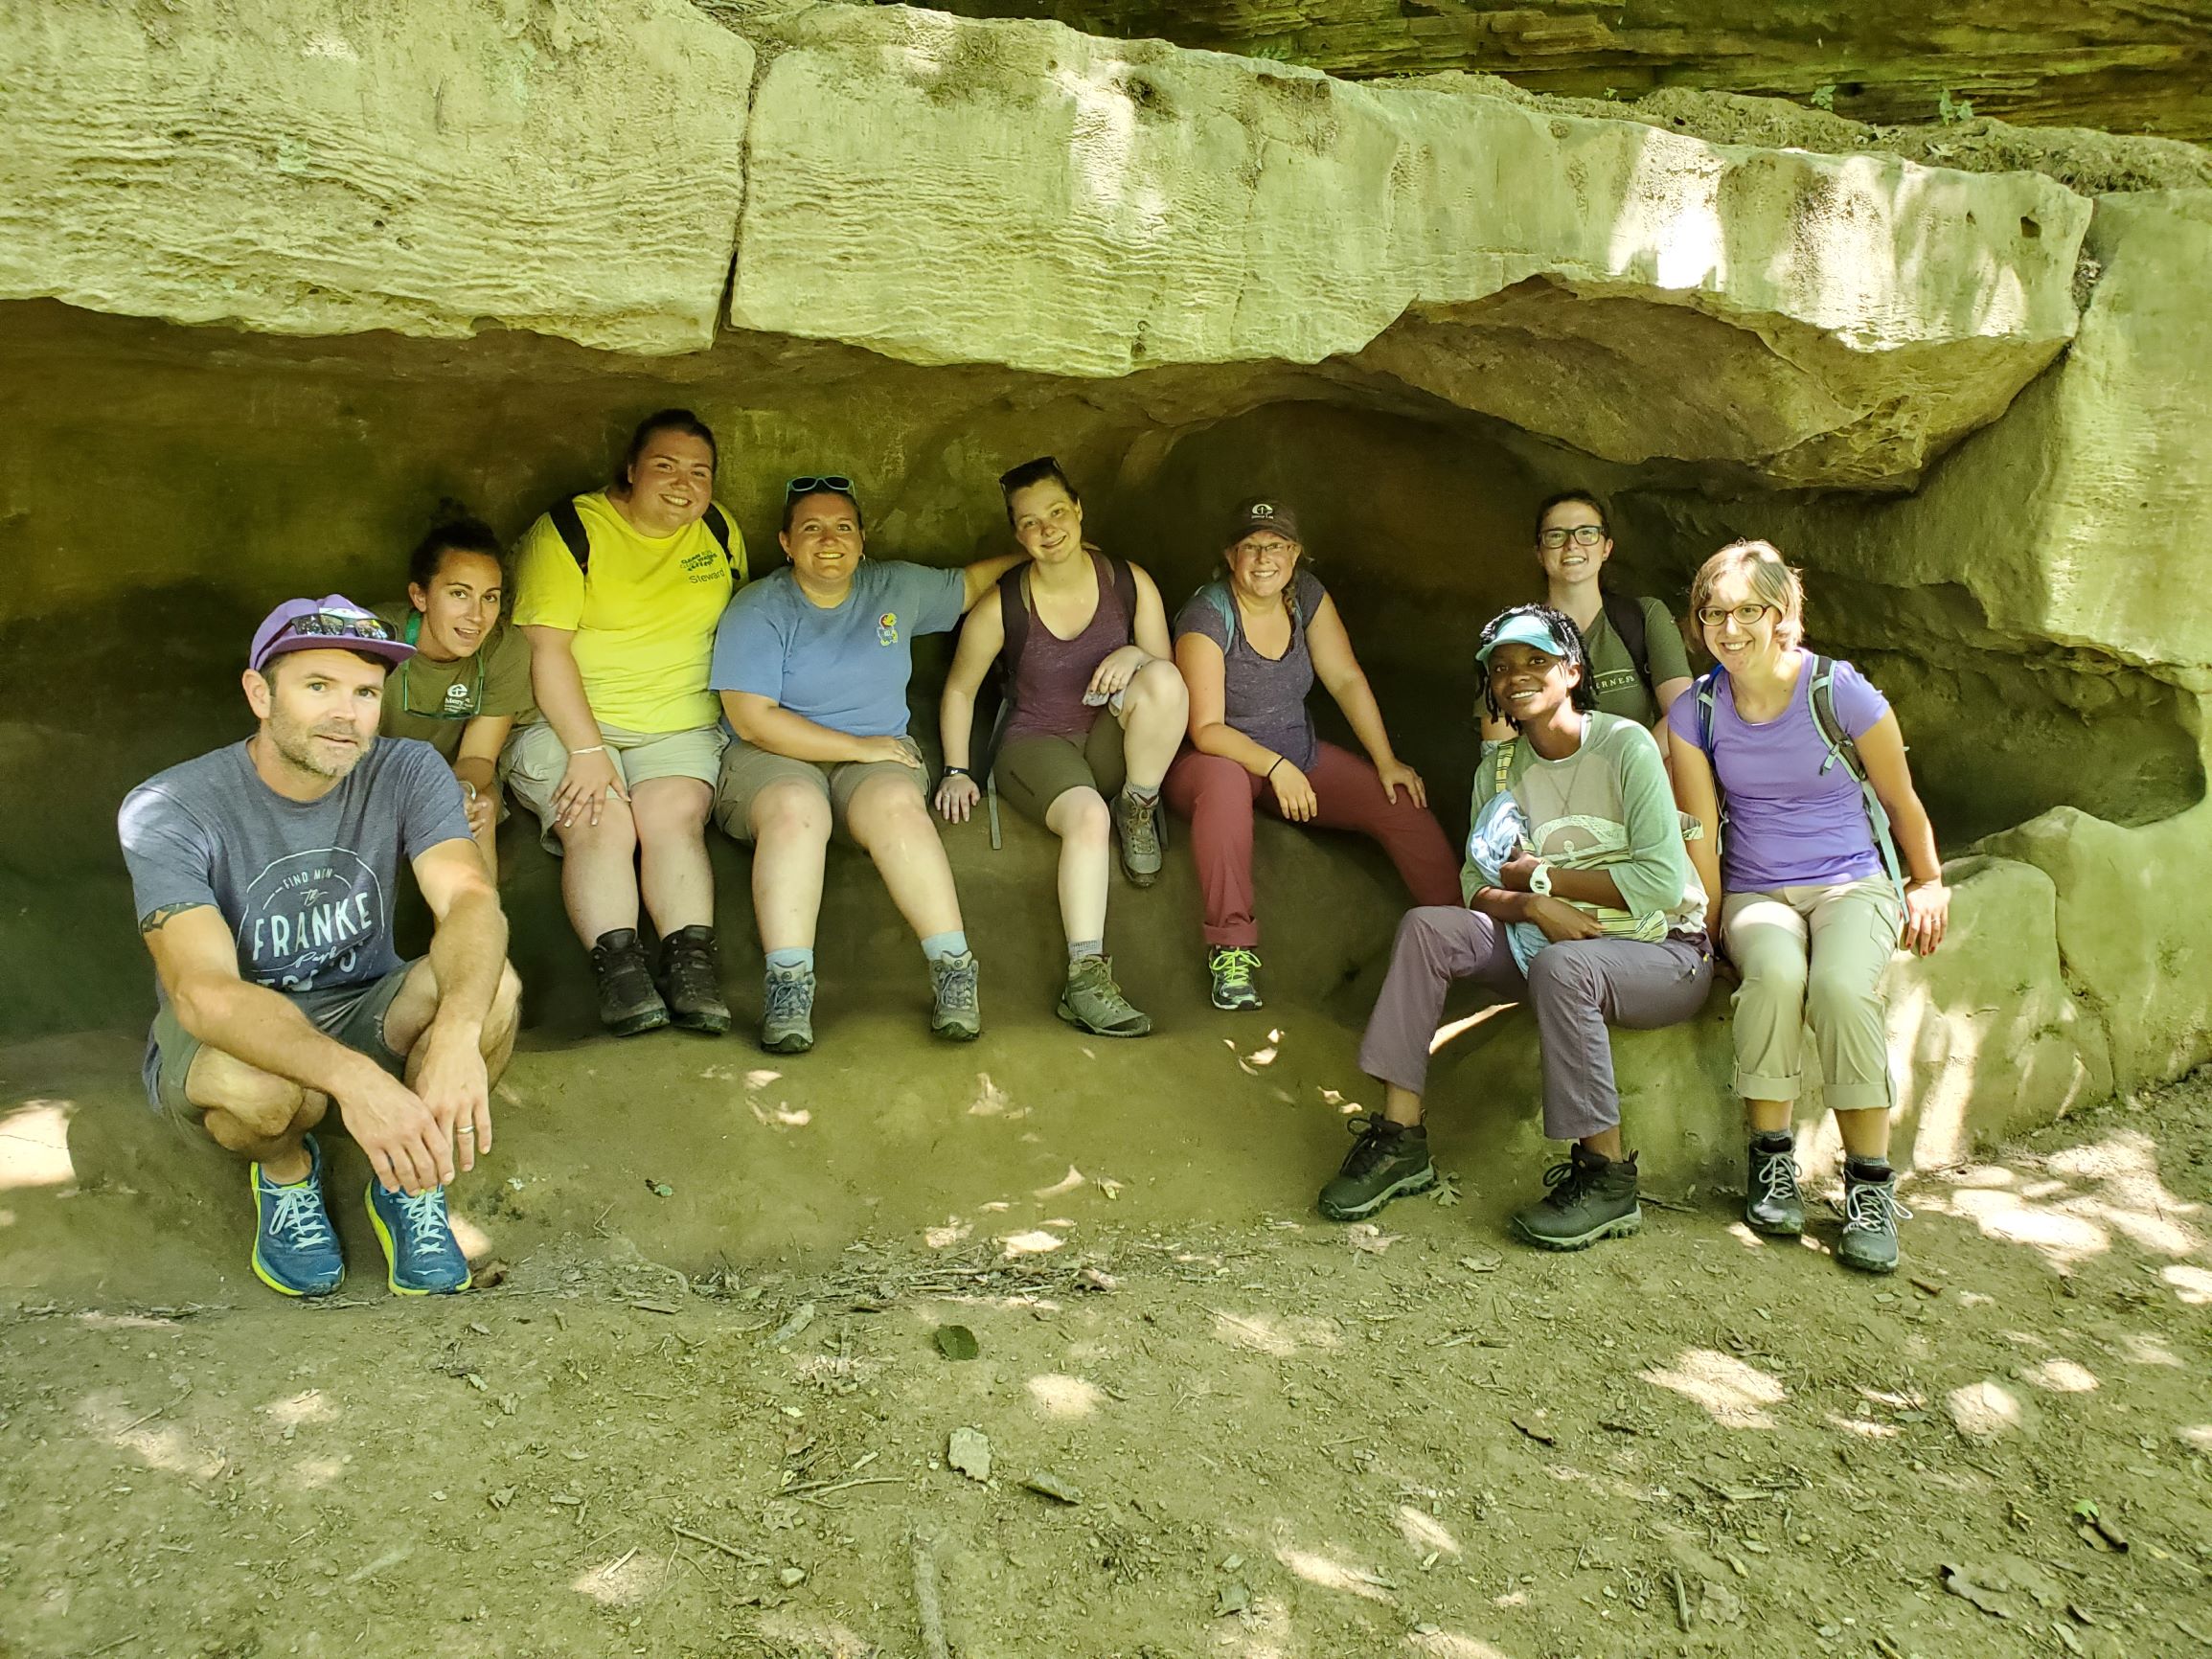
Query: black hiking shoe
[[1387, 1161], [1232, 966], [1871, 1214], [1136, 827], [1772, 1204], [627, 1001], [1590, 1198], [690, 980], [1093, 1001]]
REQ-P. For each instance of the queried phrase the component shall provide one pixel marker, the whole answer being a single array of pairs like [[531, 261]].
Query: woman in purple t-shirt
[[1810, 916], [1250, 649]]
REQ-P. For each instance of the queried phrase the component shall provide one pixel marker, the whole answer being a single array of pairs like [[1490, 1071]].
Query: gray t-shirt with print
[[308, 887]]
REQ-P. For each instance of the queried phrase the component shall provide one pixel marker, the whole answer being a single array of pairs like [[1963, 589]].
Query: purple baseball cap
[[333, 623]]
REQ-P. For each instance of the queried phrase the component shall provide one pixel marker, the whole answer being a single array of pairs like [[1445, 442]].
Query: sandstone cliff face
[[917, 249]]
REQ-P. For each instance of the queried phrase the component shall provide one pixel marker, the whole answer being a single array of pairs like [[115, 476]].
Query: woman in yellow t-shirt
[[620, 592]]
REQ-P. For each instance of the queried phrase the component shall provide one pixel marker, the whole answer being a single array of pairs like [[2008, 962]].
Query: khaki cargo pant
[[1813, 954]]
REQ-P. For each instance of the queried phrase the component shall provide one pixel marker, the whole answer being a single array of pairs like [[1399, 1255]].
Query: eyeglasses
[[1747, 616], [1584, 535], [446, 708], [337, 626], [834, 482]]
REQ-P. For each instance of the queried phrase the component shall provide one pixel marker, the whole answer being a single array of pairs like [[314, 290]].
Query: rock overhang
[[1015, 193]]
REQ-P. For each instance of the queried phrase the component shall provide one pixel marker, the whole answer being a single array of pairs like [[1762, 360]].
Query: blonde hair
[[1771, 578]]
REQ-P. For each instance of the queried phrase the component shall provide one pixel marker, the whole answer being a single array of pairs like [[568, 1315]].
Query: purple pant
[[1577, 987]]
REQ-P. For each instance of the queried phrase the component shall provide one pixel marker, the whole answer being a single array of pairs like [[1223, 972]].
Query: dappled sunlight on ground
[[2192, 1285], [1067, 1396], [2071, 1206], [1271, 1335], [1450, 1645], [1333, 1573], [2060, 1376], [1425, 1533], [1983, 1410], [312, 1406], [628, 1579], [34, 1144], [158, 1445], [1736, 1395]]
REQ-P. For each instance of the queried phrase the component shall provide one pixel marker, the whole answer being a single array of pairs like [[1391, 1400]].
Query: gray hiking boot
[[1136, 827], [788, 1011], [1772, 1204], [959, 1011], [1095, 1003], [1590, 1198], [1871, 1214], [1387, 1161]]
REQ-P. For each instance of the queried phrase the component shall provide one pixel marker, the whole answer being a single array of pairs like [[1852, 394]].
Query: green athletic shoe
[[1232, 966], [1590, 1198], [1095, 1003], [1387, 1161]]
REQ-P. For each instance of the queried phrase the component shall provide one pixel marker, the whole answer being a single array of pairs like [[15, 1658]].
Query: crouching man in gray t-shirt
[[264, 876]]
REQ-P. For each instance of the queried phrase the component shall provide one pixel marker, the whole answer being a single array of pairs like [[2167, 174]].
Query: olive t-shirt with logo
[[433, 702], [644, 621], [1621, 690], [844, 667]]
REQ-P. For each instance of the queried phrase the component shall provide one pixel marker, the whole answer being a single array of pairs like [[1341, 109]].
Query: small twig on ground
[[151, 1415], [111, 1646], [931, 1615], [823, 1489], [730, 1550], [1674, 1204], [1681, 1599]]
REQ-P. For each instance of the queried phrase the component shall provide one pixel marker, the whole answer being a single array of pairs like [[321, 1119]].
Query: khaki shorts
[[534, 759], [747, 770], [1036, 770], [353, 1014]]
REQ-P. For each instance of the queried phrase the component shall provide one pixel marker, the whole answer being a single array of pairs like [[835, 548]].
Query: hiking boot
[[421, 1255], [1387, 1161], [959, 1011], [1094, 1002], [1136, 827], [627, 1001], [1590, 1198], [690, 980], [788, 1011], [1231, 966], [1871, 1214], [295, 1247], [1772, 1204]]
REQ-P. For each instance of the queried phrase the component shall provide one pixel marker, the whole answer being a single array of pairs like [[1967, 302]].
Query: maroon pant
[[1218, 797]]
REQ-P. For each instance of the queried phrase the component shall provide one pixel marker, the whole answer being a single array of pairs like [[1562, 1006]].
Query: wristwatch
[[1539, 879], [955, 772]]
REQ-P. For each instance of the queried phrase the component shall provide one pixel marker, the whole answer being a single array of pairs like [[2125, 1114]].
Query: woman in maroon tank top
[[1097, 711]]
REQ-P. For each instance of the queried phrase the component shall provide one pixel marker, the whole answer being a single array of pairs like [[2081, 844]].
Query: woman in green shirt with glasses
[[469, 680], [1637, 663]]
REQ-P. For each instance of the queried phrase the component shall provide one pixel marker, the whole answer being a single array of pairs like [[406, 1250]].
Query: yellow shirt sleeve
[[549, 587]]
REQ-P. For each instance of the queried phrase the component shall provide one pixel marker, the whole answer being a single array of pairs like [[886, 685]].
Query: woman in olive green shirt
[[1573, 543], [469, 680]]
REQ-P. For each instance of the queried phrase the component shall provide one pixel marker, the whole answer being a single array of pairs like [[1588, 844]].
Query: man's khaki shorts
[[353, 1014], [535, 759], [746, 771]]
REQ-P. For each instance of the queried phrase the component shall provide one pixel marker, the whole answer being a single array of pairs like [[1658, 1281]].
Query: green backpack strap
[[1843, 747]]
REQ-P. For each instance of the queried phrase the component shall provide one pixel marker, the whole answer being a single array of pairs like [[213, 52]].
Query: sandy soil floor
[[722, 1418]]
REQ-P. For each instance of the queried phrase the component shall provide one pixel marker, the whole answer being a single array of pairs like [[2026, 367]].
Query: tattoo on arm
[[154, 920]]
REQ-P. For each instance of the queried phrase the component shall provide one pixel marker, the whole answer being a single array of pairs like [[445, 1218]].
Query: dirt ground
[[710, 1410]]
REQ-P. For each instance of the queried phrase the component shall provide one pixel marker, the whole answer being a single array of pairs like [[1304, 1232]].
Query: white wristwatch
[[1539, 879]]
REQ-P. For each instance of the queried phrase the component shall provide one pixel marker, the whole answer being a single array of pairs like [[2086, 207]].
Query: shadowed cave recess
[[167, 484]]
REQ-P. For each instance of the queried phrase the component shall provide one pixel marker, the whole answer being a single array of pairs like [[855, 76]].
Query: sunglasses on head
[[338, 626], [833, 482]]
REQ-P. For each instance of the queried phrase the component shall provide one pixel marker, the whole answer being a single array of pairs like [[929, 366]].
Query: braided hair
[[1583, 694]]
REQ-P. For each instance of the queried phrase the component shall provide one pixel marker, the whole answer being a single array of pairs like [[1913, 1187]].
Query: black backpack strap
[[570, 524], [1626, 616], [718, 526], [1126, 585], [1013, 621]]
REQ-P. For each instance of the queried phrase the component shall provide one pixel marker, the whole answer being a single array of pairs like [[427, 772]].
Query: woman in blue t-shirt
[[1811, 914]]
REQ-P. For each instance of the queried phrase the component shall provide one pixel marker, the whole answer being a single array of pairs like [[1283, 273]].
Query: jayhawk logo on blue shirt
[[887, 628]]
